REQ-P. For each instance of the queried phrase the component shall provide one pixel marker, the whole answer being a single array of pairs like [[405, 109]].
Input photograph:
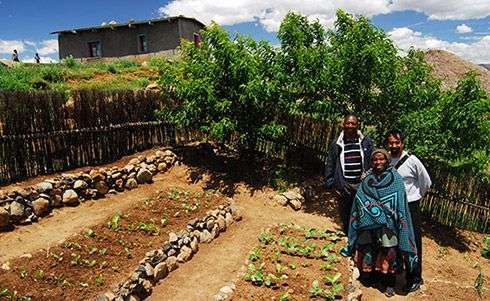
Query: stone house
[[132, 38]]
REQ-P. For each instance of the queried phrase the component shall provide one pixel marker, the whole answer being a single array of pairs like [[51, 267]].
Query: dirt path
[[67, 221], [218, 263]]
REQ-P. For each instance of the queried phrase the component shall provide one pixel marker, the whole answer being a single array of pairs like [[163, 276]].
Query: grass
[[120, 74]]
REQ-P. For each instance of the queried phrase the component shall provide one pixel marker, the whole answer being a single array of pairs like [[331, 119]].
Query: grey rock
[[116, 175], [134, 161], [221, 223], [291, 195], [194, 245], [228, 219], [171, 252], [80, 184], [41, 207], [210, 225], [185, 254], [144, 176], [172, 263], [128, 168], [97, 175], [70, 197], [101, 187], [172, 238], [226, 290], [151, 159], [296, 204], [281, 200], [57, 201], [4, 217], [205, 236], [44, 187], [17, 210], [160, 271], [131, 184], [162, 167]]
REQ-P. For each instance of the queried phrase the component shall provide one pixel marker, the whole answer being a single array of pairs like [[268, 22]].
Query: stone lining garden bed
[[101, 257], [25, 205]]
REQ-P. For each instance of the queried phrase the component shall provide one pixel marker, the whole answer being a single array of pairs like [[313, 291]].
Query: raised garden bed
[[95, 260], [294, 263]]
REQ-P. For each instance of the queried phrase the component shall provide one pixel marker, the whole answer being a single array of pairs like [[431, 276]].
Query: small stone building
[[132, 38]]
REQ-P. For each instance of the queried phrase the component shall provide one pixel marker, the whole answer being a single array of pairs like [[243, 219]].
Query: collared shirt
[[415, 177]]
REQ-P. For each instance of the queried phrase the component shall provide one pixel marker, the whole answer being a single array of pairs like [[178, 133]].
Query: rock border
[[27, 204], [290, 198], [178, 249]]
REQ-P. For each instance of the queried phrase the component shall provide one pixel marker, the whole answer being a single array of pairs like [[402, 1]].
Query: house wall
[[188, 28], [122, 41]]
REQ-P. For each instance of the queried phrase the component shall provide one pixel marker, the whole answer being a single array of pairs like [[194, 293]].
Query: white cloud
[[48, 47], [477, 51], [270, 13], [446, 9], [463, 28], [113, 22], [7, 46]]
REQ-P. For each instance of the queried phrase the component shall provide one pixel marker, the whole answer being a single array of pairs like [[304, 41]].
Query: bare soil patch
[[104, 254]]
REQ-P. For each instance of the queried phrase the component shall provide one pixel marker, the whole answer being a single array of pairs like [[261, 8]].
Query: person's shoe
[[390, 291], [413, 286]]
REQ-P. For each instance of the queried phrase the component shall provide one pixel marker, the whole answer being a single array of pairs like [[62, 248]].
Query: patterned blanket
[[381, 202]]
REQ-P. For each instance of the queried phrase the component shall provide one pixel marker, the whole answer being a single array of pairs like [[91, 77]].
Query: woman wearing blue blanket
[[380, 225]]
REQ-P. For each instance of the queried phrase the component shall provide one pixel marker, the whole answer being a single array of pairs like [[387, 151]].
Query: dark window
[[95, 49], [142, 43]]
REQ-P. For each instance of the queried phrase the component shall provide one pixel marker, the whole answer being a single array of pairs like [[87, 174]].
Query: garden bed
[[96, 259], [294, 263]]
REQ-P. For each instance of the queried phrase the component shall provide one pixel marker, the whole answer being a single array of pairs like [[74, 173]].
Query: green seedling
[[315, 289], [254, 255], [311, 233], [23, 272], [39, 275], [89, 263], [332, 280], [4, 292], [479, 282], [284, 297], [325, 266], [292, 266], [58, 257], [149, 228], [280, 269], [265, 238], [115, 222], [99, 280], [72, 246], [255, 275], [75, 259], [90, 233], [84, 284], [103, 251], [93, 250], [270, 280]]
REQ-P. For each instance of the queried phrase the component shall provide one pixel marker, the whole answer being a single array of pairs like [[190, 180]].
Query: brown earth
[[450, 68], [449, 255], [89, 262]]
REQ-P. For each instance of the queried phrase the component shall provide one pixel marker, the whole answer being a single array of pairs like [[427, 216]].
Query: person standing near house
[[348, 159], [15, 56], [417, 182], [37, 59]]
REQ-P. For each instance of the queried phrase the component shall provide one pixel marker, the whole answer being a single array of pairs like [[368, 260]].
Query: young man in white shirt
[[417, 183]]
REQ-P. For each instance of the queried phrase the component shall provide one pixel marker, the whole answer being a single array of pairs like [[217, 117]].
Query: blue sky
[[459, 26]]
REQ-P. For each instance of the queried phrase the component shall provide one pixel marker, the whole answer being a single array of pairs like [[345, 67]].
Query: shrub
[[71, 62]]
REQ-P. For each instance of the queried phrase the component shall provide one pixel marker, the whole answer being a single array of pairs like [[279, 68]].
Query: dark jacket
[[334, 176]]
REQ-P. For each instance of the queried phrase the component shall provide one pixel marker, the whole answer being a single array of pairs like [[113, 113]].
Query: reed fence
[[46, 132]]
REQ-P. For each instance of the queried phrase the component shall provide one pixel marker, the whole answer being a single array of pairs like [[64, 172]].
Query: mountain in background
[[450, 68]]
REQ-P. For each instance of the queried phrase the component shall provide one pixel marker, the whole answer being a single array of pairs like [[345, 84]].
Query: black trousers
[[416, 274], [347, 198]]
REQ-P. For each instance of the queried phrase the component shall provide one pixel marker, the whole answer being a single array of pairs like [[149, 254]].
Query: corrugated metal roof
[[118, 25]]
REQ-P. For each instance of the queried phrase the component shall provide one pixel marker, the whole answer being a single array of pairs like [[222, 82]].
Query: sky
[[458, 26]]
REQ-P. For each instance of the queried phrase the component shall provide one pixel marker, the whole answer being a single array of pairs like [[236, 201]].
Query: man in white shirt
[[417, 183]]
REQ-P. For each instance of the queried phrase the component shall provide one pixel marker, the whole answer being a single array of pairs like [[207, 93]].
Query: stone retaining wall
[[26, 205], [179, 248]]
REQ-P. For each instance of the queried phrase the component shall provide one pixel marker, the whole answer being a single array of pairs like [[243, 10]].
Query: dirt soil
[[451, 257]]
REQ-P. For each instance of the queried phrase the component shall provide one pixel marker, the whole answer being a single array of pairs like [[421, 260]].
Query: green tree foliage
[[237, 86], [226, 87]]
